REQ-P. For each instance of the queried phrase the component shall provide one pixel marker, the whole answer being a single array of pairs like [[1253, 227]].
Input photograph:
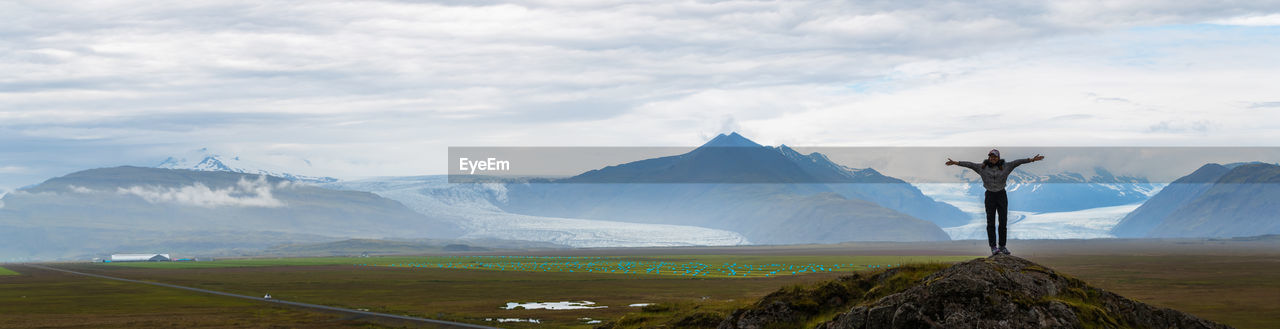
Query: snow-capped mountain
[[205, 160], [1067, 191], [1065, 205]]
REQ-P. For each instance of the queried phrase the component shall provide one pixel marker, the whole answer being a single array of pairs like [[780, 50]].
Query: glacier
[[473, 207], [1091, 223]]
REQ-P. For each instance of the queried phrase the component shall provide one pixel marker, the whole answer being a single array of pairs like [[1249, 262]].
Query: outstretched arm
[[965, 164], [1019, 162]]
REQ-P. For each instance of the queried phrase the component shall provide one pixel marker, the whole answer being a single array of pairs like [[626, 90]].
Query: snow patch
[[580, 305], [503, 320], [205, 160]]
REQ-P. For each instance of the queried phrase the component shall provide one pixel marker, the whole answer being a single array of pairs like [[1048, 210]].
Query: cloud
[[1200, 127], [1259, 105], [79, 189], [383, 87], [246, 193], [1250, 20]]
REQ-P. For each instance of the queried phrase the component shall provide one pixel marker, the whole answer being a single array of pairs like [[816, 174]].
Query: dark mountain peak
[[1014, 293], [733, 139], [725, 159], [1233, 165], [1210, 166], [1208, 173], [1104, 174], [1255, 172]]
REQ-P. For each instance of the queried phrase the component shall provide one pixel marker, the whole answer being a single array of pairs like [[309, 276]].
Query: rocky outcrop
[[995, 292], [1009, 292]]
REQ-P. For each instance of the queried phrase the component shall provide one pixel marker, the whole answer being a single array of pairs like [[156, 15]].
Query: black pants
[[997, 204]]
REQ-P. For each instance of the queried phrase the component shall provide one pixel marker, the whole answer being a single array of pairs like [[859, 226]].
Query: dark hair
[[998, 164]]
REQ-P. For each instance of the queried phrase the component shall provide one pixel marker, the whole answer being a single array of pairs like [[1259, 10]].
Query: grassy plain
[[1239, 290], [474, 288], [43, 298], [1229, 282], [5, 271]]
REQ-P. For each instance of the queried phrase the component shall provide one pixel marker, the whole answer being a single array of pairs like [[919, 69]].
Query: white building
[[140, 257]]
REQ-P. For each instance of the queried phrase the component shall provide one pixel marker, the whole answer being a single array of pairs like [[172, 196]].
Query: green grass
[[709, 266], [5, 271], [812, 303], [248, 262]]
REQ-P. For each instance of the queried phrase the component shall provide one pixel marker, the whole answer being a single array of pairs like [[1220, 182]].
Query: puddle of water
[[580, 305]]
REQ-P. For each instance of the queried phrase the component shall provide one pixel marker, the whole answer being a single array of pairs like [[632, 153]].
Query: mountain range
[[106, 210], [1067, 191], [728, 191], [1240, 199], [768, 194]]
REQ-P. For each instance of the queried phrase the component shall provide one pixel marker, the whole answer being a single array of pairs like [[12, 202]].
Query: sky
[[383, 88]]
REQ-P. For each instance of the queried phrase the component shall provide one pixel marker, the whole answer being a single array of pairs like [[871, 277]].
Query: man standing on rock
[[994, 172]]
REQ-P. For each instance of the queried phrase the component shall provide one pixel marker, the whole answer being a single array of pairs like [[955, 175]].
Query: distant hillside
[[770, 195], [123, 205], [869, 184], [1182, 191], [1244, 201]]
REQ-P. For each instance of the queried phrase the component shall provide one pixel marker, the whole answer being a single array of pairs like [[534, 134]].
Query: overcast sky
[[383, 88]]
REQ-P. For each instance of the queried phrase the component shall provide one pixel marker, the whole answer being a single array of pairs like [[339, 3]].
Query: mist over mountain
[[770, 195], [109, 209]]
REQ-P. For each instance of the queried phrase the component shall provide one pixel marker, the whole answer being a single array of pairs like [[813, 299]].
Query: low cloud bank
[[246, 193]]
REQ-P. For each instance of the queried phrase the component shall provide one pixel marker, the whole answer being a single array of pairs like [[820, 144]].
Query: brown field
[[1236, 283], [466, 295], [43, 298]]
